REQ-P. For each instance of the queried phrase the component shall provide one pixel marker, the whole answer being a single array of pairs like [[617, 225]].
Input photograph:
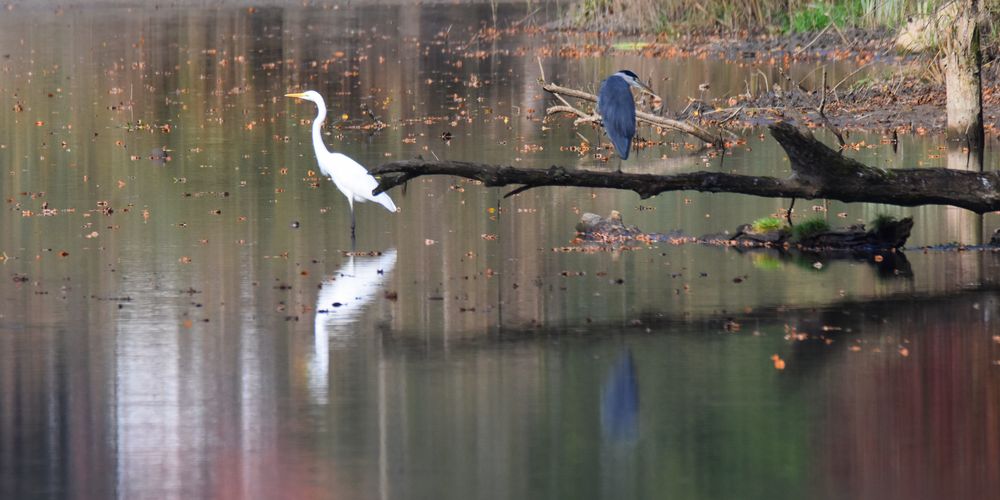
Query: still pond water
[[179, 317]]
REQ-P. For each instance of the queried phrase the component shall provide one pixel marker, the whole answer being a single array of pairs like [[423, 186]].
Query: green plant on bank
[[817, 16], [865, 82], [882, 220], [809, 228], [766, 225]]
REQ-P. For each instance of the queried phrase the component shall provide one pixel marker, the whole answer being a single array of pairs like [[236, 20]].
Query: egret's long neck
[[317, 126]]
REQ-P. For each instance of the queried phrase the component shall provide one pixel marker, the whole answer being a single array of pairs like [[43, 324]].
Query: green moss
[[765, 261], [809, 228], [881, 220], [767, 224]]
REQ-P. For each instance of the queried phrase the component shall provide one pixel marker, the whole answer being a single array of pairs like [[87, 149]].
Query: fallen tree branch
[[659, 121], [645, 185], [838, 177], [584, 117], [822, 114], [817, 172], [820, 107]]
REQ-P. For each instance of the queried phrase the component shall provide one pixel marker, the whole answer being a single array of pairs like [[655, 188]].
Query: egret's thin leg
[[350, 202]]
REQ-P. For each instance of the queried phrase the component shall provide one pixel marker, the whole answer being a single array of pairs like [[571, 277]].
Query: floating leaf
[[779, 364]]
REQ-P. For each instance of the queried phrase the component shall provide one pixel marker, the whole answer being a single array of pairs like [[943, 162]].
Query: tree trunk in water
[[963, 65]]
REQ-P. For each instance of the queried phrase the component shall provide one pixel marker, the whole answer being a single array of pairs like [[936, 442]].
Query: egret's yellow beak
[[297, 95]]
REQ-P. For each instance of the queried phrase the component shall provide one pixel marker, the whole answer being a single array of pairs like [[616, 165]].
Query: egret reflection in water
[[343, 298]]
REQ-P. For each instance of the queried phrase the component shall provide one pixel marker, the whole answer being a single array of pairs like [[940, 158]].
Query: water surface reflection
[[166, 331], [342, 299]]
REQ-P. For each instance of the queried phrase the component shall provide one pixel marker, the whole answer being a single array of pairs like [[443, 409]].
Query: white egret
[[351, 177]]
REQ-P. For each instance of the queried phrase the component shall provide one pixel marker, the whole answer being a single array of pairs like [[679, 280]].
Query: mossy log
[[888, 235], [817, 172]]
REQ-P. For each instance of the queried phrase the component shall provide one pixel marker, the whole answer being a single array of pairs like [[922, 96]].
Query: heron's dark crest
[[629, 73]]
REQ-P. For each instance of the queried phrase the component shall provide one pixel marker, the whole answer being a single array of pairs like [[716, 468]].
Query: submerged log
[[837, 177], [889, 234], [817, 172], [880, 247]]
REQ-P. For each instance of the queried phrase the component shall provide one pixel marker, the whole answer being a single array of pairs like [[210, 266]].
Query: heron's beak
[[645, 88], [297, 95]]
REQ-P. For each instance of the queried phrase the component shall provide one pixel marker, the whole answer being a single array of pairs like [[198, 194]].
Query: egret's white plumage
[[353, 180], [351, 177]]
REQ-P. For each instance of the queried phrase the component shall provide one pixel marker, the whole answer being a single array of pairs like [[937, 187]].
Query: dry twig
[[641, 116]]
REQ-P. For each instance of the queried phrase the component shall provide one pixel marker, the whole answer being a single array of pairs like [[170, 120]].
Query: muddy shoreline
[[912, 101]]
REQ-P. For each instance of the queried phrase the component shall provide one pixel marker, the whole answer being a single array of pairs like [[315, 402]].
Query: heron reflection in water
[[343, 298], [620, 453], [620, 401]]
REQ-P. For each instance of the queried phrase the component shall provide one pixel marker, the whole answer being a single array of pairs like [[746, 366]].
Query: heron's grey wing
[[617, 109]]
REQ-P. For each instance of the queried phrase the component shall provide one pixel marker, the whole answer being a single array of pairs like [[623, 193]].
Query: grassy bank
[[780, 16]]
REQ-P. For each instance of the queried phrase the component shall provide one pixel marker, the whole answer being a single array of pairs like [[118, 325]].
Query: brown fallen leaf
[[779, 364]]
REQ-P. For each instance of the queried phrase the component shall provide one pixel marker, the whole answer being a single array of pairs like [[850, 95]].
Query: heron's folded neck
[[317, 136]]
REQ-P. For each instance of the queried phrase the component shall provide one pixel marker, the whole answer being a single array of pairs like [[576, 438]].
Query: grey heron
[[616, 106]]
